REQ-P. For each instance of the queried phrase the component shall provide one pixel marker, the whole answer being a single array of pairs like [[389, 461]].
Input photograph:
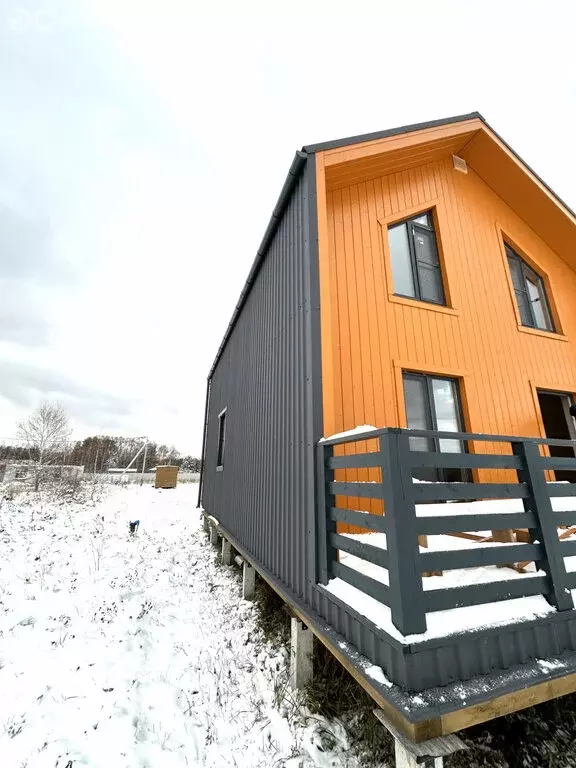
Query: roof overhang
[[358, 158], [361, 158]]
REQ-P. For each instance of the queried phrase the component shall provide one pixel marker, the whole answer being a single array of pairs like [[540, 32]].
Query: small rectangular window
[[530, 293], [416, 271], [221, 439]]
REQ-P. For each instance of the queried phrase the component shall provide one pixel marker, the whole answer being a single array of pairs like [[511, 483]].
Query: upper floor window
[[416, 268], [530, 293]]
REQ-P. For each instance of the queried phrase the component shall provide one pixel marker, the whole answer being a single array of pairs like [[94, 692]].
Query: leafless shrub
[[98, 541], [46, 433], [13, 726]]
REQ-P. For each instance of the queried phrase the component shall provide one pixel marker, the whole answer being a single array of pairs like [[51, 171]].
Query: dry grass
[[273, 621], [540, 737], [333, 693]]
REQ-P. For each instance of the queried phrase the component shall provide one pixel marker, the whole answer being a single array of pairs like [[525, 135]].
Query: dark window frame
[[221, 445], [527, 272], [443, 475], [412, 227], [571, 397]]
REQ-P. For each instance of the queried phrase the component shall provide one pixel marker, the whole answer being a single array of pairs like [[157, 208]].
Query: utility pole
[[142, 448], [144, 461]]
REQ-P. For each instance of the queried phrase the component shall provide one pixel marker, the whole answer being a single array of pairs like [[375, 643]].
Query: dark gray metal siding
[[268, 376], [264, 377]]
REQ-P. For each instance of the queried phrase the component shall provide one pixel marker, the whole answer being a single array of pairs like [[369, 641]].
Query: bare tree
[[46, 433]]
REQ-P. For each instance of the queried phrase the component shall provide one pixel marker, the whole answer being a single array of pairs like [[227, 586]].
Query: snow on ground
[[137, 652]]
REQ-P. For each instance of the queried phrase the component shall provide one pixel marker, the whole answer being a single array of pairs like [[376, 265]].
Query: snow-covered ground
[[129, 652], [149, 477]]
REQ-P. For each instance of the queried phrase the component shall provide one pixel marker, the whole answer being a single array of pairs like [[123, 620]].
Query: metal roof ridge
[[398, 131]]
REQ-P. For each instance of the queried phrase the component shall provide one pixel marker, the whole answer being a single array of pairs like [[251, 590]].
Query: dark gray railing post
[[538, 501], [326, 554], [406, 592]]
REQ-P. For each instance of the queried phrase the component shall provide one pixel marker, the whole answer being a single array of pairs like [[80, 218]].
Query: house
[[420, 281]]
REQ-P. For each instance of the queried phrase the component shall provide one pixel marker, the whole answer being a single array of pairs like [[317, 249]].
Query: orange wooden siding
[[369, 336]]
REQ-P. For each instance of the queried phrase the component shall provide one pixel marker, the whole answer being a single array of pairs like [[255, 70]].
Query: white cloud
[[151, 139]]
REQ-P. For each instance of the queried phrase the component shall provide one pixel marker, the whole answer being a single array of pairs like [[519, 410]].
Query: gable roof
[[364, 137], [426, 126], [485, 152], [415, 127]]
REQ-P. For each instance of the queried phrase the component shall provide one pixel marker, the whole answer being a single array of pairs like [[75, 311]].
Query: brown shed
[[166, 476]]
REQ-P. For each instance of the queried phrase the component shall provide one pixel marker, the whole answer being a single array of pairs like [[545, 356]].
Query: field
[[148, 477], [121, 651]]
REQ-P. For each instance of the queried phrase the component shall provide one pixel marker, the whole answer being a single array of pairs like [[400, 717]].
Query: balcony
[[431, 559]]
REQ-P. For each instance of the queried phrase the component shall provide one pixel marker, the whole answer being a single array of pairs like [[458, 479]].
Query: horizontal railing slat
[[360, 519], [561, 489], [464, 460], [490, 592], [375, 555], [479, 556], [355, 461], [566, 518], [363, 490], [475, 436], [570, 580], [466, 491], [558, 462], [371, 587], [480, 437], [568, 548], [483, 522]]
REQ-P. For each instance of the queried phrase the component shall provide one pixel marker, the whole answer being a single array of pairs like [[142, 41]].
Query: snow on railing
[[519, 529]]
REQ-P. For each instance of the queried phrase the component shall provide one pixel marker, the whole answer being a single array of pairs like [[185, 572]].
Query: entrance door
[[433, 403], [558, 425]]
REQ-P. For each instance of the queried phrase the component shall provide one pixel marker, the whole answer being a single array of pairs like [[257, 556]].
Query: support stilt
[[226, 552], [213, 535], [206, 524], [425, 754], [407, 759], [301, 647], [248, 581]]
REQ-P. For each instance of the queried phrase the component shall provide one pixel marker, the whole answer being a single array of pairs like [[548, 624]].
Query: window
[[416, 269], [434, 403], [530, 293], [221, 439]]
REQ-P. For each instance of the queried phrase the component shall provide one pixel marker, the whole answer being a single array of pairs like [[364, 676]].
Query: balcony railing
[[385, 454]]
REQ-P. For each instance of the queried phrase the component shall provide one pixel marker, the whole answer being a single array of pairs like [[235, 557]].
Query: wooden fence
[[404, 594]]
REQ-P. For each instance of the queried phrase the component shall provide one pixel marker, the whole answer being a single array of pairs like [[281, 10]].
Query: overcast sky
[[143, 145]]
